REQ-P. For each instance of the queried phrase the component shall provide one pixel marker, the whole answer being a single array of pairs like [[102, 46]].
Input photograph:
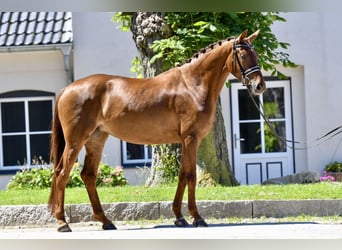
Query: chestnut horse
[[177, 106]]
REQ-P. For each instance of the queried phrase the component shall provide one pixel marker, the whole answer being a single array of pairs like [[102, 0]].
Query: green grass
[[166, 193]]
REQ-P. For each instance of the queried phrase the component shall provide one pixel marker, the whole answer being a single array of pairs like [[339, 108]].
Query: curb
[[121, 211]]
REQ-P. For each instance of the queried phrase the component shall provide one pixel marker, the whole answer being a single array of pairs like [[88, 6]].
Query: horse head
[[245, 63]]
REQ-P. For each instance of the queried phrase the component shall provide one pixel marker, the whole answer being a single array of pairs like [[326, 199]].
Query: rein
[[289, 143], [329, 135]]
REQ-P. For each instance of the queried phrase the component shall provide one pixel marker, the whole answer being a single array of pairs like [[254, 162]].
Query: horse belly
[[145, 128]]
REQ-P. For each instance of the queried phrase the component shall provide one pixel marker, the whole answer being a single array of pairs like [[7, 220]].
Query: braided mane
[[206, 49]]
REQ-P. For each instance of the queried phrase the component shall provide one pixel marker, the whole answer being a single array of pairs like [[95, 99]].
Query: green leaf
[[284, 45], [212, 27], [200, 23], [123, 21], [228, 84]]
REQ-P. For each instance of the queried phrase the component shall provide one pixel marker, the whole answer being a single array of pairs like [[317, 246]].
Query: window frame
[[146, 161], [26, 97]]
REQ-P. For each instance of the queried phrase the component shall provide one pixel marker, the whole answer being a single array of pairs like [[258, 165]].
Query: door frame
[[232, 106]]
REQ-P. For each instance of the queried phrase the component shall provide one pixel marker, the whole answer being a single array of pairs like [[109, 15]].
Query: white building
[[307, 103]]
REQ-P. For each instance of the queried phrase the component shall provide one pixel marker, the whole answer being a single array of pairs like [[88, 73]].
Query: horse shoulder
[[196, 88]]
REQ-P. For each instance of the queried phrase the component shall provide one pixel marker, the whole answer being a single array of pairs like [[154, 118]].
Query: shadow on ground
[[229, 225]]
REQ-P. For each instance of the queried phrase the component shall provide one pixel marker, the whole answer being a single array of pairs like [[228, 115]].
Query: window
[[258, 137], [25, 128], [136, 155]]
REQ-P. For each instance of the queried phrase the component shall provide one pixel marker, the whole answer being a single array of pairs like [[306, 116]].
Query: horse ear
[[252, 37], [241, 36]]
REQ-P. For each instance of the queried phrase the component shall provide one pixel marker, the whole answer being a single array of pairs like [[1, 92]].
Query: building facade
[[36, 62]]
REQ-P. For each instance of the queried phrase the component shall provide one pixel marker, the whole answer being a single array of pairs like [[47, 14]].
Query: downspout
[[66, 51]]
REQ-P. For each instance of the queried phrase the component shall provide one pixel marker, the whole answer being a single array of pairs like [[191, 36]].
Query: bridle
[[245, 73]]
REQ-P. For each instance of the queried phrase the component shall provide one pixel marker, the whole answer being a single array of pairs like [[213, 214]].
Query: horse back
[[145, 111]]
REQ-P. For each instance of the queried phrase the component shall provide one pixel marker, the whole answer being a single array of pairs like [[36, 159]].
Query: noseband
[[248, 71]]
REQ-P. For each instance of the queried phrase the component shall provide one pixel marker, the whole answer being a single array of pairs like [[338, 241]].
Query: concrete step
[[120, 211]]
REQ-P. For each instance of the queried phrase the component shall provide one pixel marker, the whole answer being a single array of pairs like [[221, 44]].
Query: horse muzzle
[[256, 85]]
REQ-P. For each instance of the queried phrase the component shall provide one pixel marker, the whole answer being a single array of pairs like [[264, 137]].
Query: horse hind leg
[[94, 147], [61, 179]]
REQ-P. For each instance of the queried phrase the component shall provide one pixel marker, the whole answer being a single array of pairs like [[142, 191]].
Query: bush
[[41, 177], [31, 178], [334, 167], [109, 176]]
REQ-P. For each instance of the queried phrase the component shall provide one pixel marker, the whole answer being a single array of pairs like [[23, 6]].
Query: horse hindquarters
[[63, 156], [67, 139]]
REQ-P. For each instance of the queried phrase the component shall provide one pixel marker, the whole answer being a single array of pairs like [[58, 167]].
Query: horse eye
[[243, 56]]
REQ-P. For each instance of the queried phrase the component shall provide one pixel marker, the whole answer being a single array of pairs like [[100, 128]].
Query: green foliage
[[334, 167], [195, 30], [169, 163], [123, 20], [34, 177], [169, 50], [41, 177], [136, 67], [272, 142], [108, 176]]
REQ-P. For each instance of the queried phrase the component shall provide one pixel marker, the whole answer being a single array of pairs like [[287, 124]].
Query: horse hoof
[[108, 227], [199, 223], [181, 222], [64, 228]]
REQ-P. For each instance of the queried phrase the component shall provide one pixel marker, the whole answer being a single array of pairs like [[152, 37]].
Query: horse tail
[[57, 145]]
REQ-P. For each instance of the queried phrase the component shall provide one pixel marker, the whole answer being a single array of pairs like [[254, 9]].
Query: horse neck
[[206, 74]]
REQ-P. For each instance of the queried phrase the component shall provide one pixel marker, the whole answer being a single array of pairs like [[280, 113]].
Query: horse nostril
[[259, 86]]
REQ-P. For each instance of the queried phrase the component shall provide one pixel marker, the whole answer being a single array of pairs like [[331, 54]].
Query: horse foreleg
[[94, 148], [177, 201], [187, 176], [191, 180]]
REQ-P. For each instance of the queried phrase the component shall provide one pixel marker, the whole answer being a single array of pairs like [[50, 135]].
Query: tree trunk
[[146, 28], [213, 158], [213, 154]]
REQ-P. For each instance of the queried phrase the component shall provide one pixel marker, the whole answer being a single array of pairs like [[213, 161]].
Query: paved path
[[279, 236], [306, 230]]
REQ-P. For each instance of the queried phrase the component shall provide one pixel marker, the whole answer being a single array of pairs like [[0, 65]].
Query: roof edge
[[9, 49]]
